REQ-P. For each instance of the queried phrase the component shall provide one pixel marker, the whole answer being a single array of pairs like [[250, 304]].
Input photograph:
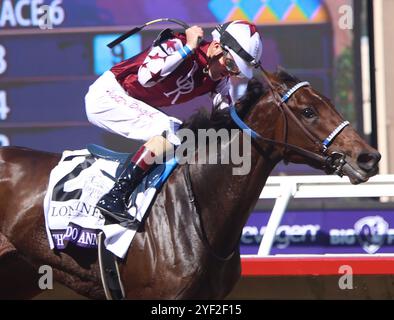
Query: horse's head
[[306, 128]]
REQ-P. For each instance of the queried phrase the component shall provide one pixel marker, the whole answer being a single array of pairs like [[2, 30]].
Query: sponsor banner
[[324, 232]]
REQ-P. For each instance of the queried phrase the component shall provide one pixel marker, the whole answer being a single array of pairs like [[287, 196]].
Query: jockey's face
[[221, 64]]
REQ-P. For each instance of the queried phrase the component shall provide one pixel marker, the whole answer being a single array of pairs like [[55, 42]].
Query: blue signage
[[324, 232]]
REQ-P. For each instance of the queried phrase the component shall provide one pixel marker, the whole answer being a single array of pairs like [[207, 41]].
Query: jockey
[[127, 99]]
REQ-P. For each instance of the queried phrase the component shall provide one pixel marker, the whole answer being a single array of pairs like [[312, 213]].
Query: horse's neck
[[226, 200]]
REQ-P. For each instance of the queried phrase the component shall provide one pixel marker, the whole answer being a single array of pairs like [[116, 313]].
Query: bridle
[[331, 163]]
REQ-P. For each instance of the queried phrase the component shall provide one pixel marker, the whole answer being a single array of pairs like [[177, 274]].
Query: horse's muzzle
[[368, 161]]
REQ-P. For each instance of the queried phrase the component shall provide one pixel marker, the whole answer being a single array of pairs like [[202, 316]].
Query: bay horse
[[188, 247]]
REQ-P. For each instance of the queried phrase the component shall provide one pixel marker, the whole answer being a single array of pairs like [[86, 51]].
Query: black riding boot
[[114, 203]]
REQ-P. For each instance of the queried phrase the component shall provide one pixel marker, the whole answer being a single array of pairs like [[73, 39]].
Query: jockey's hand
[[193, 36]]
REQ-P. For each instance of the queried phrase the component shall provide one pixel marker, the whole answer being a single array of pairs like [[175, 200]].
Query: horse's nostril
[[368, 160]]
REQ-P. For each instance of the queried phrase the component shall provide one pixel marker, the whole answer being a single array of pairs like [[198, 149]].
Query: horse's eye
[[308, 113]]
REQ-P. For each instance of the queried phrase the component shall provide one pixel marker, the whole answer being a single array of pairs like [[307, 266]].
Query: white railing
[[282, 188]]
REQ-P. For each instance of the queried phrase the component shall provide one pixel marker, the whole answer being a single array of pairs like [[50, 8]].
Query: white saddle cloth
[[75, 186]]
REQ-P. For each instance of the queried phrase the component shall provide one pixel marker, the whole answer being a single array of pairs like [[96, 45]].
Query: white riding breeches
[[108, 106]]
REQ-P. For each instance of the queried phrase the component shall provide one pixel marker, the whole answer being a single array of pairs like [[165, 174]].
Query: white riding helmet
[[243, 41]]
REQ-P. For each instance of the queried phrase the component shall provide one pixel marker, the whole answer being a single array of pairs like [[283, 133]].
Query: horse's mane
[[220, 119]]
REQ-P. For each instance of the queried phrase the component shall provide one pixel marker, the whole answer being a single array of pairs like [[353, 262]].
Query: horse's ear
[[281, 70], [261, 75], [284, 76], [281, 73]]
